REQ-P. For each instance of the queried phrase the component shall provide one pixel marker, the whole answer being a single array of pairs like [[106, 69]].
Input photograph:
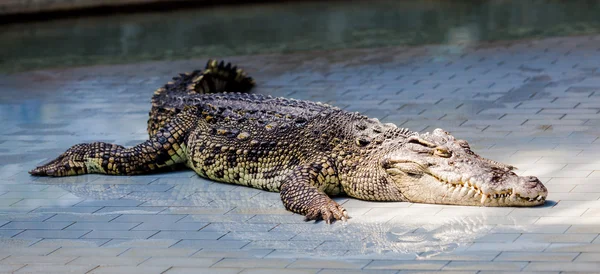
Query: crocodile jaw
[[515, 191], [519, 192]]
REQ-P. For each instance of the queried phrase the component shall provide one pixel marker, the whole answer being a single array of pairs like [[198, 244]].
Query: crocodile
[[307, 151]]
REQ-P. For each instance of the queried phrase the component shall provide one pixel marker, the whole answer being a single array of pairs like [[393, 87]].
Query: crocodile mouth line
[[470, 190]]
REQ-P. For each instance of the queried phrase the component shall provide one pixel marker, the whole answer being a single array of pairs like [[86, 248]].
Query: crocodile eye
[[362, 142], [442, 152], [419, 141]]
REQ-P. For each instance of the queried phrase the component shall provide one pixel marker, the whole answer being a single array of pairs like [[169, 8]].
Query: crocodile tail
[[215, 78], [220, 77]]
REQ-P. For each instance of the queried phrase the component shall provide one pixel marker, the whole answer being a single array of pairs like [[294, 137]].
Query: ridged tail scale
[[215, 78]]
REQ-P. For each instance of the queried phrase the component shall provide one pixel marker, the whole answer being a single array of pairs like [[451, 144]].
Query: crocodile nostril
[[532, 179]]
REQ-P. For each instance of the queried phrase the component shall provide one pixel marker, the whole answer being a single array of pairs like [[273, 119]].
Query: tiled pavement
[[533, 104]]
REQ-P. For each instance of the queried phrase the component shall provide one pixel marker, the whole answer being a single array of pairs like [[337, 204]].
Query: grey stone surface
[[526, 103]]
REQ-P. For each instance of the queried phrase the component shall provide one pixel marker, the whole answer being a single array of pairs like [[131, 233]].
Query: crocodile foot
[[328, 210]]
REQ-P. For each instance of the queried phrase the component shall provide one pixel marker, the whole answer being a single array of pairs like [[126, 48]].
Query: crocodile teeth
[[471, 192], [484, 198], [456, 191]]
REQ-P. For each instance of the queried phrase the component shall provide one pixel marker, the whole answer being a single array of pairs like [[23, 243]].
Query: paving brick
[[577, 204], [276, 270], [570, 220], [73, 210], [349, 271], [445, 272], [239, 227], [128, 270], [406, 265], [102, 226], [563, 266], [588, 257], [30, 251], [59, 269], [232, 253], [522, 246], [56, 243], [537, 256], [584, 229], [107, 261], [254, 263], [284, 244], [346, 264], [52, 234], [35, 260], [88, 251], [549, 212], [189, 235], [184, 226], [462, 256], [32, 195], [181, 262], [158, 252], [194, 270], [498, 238], [149, 218], [60, 217], [558, 238], [585, 189], [260, 236], [119, 234], [10, 268], [110, 203], [572, 247], [37, 225], [9, 201], [497, 266], [163, 243], [211, 244], [8, 233], [46, 202], [153, 211]]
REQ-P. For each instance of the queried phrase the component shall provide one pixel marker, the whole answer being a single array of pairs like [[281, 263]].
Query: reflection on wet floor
[[257, 216], [275, 28]]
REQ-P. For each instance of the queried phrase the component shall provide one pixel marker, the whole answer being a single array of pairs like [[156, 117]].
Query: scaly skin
[[216, 77], [304, 150]]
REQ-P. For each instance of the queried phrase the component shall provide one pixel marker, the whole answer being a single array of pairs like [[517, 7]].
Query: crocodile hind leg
[[165, 148], [302, 193]]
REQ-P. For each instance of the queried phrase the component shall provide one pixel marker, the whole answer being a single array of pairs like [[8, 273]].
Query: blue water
[[287, 27]]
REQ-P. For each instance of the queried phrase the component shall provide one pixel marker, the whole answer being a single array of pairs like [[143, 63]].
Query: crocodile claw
[[329, 212]]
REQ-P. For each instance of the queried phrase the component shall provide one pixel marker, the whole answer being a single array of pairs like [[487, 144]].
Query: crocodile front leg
[[302, 193], [165, 148]]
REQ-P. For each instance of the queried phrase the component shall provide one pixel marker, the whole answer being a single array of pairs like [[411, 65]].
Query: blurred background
[[61, 33]]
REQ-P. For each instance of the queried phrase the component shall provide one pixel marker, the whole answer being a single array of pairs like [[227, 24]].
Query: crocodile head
[[437, 168]]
